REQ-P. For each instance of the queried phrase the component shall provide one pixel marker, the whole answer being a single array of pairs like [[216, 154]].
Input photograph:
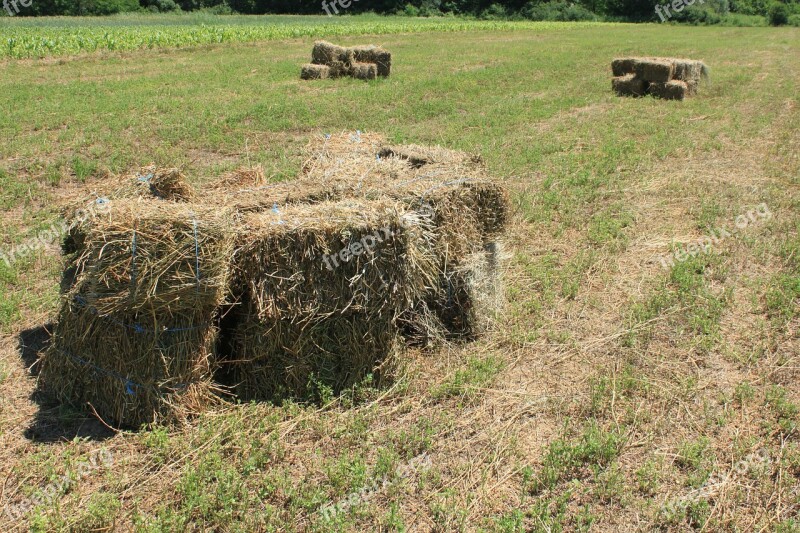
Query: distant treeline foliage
[[692, 11]]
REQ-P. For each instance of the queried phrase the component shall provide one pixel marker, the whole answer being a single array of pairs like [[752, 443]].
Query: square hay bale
[[629, 85], [672, 90], [274, 360], [325, 53], [623, 66], [364, 71], [315, 72], [374, 54], [136, 336], [328, 258], [132, 369], [450, 188], [655, 70], [148, 183]]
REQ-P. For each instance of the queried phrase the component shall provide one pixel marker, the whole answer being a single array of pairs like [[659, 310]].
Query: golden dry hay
[[318, 278]]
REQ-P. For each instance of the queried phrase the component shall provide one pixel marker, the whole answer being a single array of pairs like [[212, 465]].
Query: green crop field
[[632, 382]]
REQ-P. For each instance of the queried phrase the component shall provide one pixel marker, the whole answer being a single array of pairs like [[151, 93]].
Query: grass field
[[621, 390]]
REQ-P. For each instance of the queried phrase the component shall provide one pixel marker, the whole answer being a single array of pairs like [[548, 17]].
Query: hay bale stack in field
[[135, 337], [290, 288], [666, 78], [321, 288], [361, 62]]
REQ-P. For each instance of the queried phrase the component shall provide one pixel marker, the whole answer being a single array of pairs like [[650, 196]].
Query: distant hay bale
[[375, 54], [361, 62], [629, 85], [135, 337], [655, 70], [672, 90], [364, 71], [315, 72], [623, 66], [325, 53], [688, 70]]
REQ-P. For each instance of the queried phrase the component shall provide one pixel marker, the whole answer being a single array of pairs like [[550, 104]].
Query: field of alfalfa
[[634, 381]]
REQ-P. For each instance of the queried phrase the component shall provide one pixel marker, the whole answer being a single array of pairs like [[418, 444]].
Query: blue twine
[[146, 178], [196, 254], [130, 386], [133, 263], [277, 211]]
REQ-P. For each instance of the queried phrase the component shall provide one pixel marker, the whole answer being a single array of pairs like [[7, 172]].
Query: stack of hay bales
[[667, 78], [136, 334], [360, 62], [290, 289]]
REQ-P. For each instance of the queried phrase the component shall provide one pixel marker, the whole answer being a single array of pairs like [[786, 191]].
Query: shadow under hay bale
[[135, 337]]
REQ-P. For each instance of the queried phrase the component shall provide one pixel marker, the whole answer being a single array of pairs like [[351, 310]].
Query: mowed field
[[633, 380]]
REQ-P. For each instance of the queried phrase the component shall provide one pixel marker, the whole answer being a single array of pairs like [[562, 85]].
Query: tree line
[[692, 11]]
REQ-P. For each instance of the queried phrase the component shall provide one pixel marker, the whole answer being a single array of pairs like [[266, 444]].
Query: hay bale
[[450, 188], [325, 53], [317, 260], [629, 85], [419, 156], [374, 54], [623, 66], [364, 71], [672, 90], [136, 335], [655, 70], [280, 359], [315, 72]]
